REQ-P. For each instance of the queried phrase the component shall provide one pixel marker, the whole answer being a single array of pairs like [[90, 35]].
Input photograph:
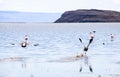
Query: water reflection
[[86, 63], [23, 65], [31, 75], [25, 69]]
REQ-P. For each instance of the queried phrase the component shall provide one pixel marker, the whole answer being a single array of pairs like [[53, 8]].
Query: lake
[[56, 42]]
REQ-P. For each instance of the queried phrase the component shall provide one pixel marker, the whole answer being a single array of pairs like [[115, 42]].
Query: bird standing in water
[[112, 37], [86, 47], [26, 37], [86, 62], [24, 44]]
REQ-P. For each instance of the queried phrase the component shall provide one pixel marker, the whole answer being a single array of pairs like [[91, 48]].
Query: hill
[[92, 15]]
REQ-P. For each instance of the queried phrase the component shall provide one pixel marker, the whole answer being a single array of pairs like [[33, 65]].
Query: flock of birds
[[92, 35], [85, 49]]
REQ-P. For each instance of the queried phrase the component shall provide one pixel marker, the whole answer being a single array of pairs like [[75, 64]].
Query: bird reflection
[[86, 62], [31, 75], [23, 65]]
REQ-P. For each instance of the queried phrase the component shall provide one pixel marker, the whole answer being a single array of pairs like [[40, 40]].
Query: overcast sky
[[57, 5]]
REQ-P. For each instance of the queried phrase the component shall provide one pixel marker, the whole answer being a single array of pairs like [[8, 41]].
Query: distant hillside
[[91, 15], [12, 16]]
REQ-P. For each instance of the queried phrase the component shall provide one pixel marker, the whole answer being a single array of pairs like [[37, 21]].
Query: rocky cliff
[[91, 15]]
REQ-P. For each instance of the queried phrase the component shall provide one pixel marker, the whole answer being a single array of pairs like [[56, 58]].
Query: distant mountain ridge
[[14, 16], [92, 15]]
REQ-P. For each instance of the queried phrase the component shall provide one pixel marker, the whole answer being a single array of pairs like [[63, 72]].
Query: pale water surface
[[56, 42]]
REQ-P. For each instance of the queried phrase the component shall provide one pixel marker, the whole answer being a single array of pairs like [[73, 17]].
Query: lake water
[[56, 42]]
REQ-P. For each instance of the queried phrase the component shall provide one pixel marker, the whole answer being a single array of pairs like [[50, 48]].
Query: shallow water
[[56, 42]]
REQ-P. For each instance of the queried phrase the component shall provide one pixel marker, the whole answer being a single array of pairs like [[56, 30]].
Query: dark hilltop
[[86, 15]]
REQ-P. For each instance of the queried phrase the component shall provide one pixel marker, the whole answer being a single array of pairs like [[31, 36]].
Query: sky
[[57, 6]]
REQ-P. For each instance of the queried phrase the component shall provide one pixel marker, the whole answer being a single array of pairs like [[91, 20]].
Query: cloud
[[116, 1]]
